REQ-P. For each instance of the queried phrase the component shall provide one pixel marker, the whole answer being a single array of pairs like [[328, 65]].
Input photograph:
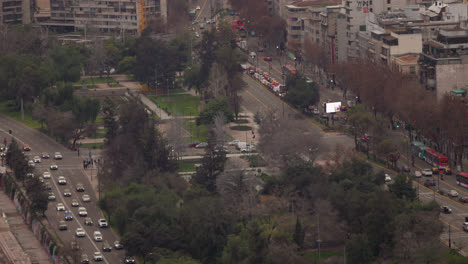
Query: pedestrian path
[[17, 241]]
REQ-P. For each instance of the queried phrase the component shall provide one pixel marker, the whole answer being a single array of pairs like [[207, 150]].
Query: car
[[430, 182], [267, 59], [97, 256], [80, 232], [117, 245], [445, 209], [75, 203], [435, 170], [194, 22], [106, 247], [82, 212], [26, 147], [45, 155], [3, 154], [452, 193], [53, 166], [234, 142], [427, 172], [60, 207], [88, 221], [388, 178], [86, 198], [193, 144], [46, 174], [129, 260], [31, 164], [260, 49], [48, 186], [80, 187], [197, 8], [51, 196], [417, 174], [61, 180], [202, 145], [41, 179], [68, 216], [67, 193], [84, 259], [197, 34], [58, 156], [30, 175], [103, 223], [406, 169], [463, 199], [62, 225], [97, 236], [37, 159]]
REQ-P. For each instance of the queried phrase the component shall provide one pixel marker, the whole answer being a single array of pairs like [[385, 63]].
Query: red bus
[[289, 70], [462, 179], [436, 159]]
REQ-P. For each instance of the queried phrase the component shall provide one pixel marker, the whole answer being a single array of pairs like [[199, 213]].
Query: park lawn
[[324, 254], [185, 166], [198, 133], [99, 120], [100, 133], [178, 104], [8, 108], [98, 145]]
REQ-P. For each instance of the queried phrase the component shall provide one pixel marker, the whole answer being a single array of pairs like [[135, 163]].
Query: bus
[[436, 159], [418, 149], [462, 179], [289, 70]]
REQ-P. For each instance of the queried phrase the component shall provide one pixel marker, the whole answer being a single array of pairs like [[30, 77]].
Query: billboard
[[332, 107]]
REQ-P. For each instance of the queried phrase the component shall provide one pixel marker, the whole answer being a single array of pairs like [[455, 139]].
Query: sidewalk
[[17, 241], [154, 108]]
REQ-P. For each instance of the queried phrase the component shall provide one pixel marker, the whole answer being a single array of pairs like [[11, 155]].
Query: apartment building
[[407, 64], [444, 62], [15, 11], [110, 16], [328, 28]]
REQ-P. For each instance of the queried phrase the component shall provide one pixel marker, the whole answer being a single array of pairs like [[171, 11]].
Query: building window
[[389, 1], [412, 70], [362, 28], [371, 9]]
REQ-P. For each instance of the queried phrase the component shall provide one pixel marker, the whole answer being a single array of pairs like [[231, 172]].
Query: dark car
[[106, 247], [129, 260], [406, 169], [463, 199], [430, 182], [260, 49], [267, 59], [193, 144], [62, 225], [446, 210], [117, 245], [68, 216]]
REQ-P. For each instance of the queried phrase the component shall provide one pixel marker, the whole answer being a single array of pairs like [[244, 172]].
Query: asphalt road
[[72, 169]]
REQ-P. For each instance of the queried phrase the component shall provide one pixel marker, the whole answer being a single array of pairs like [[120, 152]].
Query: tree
[[402, 187], [37, 194], [67, 63], [212, 165], [215, 106], [110, 119], [358, 249], [302, 94], [299, 233]]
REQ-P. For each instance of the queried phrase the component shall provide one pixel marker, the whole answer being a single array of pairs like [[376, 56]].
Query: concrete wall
[[407, 43], [450, 77]]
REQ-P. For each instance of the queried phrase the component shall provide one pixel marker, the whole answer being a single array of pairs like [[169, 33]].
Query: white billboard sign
[[332, 107]]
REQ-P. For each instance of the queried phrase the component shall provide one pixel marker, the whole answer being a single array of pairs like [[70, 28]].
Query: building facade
[[15, 11]]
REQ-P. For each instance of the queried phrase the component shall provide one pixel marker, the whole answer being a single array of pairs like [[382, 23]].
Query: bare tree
[[218, 82], [176, 135], [219, 129]]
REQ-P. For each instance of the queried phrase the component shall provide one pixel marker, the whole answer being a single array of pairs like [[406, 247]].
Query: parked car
[[193, 144], [427, 172], [417, 174], [430, 182], [453, 193], [202, 145]]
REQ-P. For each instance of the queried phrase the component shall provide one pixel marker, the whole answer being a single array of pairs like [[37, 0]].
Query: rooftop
[[409, 58], [315, 3]]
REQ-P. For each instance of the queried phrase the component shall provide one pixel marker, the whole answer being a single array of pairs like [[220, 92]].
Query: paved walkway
[[17, 241]]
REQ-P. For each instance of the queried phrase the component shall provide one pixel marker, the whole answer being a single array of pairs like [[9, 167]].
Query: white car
[[97, 236], [86, 198], [97, 256], [53, 166], [427, 172], [58, 156], [82, 212], [197, 8], [102, 222], [417, 174], [453, 193], [60, 207], [75, 203], [62, 180], [67, 193], [30, 175], [31, 164], [45, 155], [80, 232], [46, 175], [388, 178], [37, 159]]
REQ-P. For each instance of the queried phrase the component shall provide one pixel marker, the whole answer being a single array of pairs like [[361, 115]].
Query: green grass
[[96, 80], [100, 133], [99, 120], [178, 104], [186, 166], [91, 86], [198, 133], [324, 254], [99, 145], [241, 128], [9, 109]]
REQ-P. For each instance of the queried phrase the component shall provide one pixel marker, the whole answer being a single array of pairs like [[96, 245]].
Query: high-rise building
[[15, 11]]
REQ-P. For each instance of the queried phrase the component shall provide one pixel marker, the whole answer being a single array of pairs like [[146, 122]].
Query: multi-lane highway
[[71, 167]]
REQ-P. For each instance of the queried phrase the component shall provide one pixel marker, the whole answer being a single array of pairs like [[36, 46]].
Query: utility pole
[[450, 238], [318, 236]]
